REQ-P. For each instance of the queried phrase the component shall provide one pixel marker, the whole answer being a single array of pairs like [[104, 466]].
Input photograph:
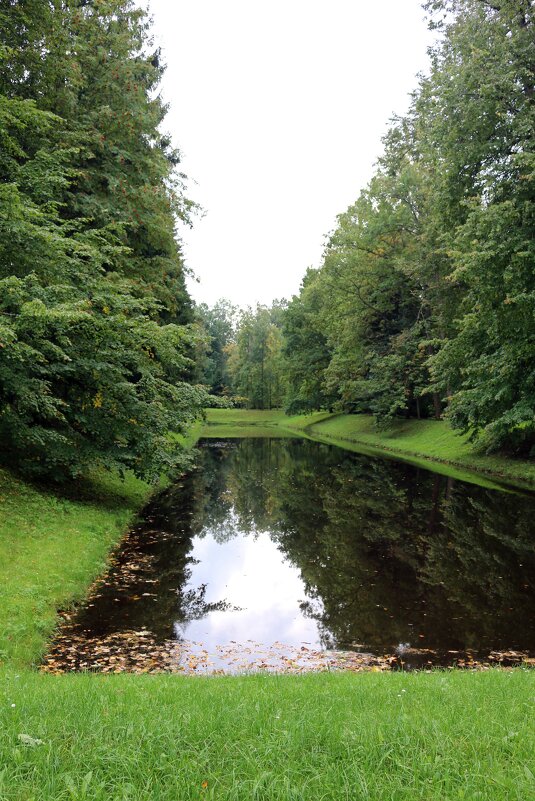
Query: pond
[[289, 554]]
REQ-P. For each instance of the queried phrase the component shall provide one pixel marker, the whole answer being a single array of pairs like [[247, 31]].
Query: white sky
[[278, 107]]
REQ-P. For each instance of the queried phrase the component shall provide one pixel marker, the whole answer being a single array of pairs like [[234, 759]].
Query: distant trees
[[95, 321], [255, 362], [243, 361], [306, 350], [219, 324]]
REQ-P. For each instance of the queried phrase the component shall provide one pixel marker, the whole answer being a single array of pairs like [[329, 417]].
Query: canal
[[290, 555]]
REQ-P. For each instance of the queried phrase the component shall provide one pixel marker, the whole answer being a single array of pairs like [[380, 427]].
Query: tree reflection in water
[[388, 553]]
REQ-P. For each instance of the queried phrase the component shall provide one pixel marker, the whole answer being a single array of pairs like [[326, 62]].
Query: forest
[[97, 333], [423, 305]]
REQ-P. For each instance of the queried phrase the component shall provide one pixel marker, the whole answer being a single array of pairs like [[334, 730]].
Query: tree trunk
[[438, 406]]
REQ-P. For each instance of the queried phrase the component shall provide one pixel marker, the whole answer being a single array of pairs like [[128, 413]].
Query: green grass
[[245, 423], [263, 418], [419, 441], [188, 440], [239, 431], [431, 439], [247, 417], [396, 737], [51, 549]]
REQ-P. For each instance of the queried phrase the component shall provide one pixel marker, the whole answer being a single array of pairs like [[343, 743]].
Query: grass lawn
[[245, 418], [432, 439], [383, 737], [245, 423]]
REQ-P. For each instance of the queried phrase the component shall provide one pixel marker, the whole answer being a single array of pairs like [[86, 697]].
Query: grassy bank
[[51, 549], [336, 737], [420, 440], [54, 544], [239, 418]]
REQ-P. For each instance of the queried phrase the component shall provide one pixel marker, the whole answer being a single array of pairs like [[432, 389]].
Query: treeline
[[97, 332], [243, 360], [424, 304]]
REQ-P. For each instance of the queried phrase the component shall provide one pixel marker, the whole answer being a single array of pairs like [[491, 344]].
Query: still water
[[281, 552]]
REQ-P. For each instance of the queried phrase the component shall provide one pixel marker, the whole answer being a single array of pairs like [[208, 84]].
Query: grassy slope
[[244, 423], [51, 549], [258, 417], [432, 439], [190, 439], [429, 440], [332, 737]]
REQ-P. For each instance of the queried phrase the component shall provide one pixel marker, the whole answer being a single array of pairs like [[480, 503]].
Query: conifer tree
[[96, 343]]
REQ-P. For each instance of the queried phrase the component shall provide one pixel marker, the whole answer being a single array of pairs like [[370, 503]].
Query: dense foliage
[[425, 301], [219, 325], [254, 359], [243, 362], [96, 333], [424, 304]]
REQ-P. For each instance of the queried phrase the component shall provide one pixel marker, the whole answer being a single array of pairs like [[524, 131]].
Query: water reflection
[[294, 541], [263, 591]]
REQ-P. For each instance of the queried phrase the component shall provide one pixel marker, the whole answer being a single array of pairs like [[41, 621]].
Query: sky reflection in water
[[250, 573]]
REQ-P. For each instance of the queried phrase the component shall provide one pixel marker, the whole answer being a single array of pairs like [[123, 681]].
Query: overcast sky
[[278, 108]]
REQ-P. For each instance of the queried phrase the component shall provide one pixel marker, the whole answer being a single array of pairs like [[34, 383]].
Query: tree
[[95, 354], [219, 323], [426, 295], [306, 350], [255, 360], [483, 85]]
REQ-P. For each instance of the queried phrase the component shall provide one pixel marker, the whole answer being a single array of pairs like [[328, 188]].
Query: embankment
[[431, 443]]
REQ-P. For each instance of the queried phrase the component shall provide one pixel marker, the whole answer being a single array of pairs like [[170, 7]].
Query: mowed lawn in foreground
[[445, 735], [386, 737]]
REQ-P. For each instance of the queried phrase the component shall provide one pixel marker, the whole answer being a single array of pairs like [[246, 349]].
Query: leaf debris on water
[[138, 652]]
